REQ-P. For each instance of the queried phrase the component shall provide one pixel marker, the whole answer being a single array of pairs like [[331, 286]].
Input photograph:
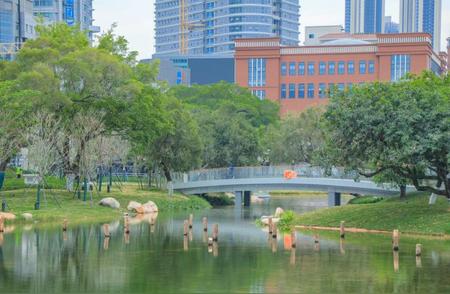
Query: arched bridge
[[244, 180]]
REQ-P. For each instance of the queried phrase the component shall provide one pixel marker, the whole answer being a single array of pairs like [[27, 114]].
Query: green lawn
[[412, 215], [77, 211]]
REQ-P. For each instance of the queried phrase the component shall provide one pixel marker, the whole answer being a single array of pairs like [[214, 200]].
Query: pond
[[154, 258]]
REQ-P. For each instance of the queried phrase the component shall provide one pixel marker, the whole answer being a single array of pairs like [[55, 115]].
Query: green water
[[154, 259]]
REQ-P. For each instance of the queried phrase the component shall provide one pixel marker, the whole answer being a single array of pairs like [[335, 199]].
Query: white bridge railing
[[305, 171]]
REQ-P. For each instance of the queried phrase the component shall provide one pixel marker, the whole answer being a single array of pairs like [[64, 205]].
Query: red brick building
[[299, 77]]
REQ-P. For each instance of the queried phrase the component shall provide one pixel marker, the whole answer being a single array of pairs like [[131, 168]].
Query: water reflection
[[246, 259]]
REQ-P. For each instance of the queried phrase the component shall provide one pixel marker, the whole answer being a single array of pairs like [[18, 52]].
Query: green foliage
[[366, 200], [219, 199], [398, 132], [296, 139], [13, 183], [286, 221], [231, 122]]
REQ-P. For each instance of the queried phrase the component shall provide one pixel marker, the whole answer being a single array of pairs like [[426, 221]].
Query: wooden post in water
[[342, 246], [185, 243], [186, 228], [1, 239], [215, 234], [270, 226], [316, 238], [191, 221], [205, 224], [126, 224], [274, 230], [64, 228], [396, 261], [210, 245], [395, 240], [106, 231], [292, 257], [342, 229], [418, 250], [2, 224], [106, 243], [294, 238]]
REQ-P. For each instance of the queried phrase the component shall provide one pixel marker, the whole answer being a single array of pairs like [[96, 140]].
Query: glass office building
[[364, 16], [16, 21], [193, 27], [422, 16]]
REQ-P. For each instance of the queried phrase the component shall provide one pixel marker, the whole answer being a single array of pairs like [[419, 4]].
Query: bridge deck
[[278, 184]]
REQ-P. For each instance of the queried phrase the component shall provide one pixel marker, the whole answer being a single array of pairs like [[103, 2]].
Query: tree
[[177, 147], [76, 80], [231, 122], [297, 138], [395, 131]]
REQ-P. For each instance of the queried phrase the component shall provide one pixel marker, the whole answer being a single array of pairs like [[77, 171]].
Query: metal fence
[[305, 171]]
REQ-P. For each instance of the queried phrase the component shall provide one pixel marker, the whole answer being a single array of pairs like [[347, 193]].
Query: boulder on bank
[[27, 216], [110, 202], [265, 220], [7, 216], [150, 207], [134, 206], [278, 212]]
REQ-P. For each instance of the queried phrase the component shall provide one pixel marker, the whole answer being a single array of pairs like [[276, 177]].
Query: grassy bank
[[77, 211], [412, 215]]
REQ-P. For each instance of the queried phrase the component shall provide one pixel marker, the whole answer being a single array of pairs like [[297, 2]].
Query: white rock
[[27, 216], [265, 220], [150, 207], [433, 198], [133, 206], [278, 212], [110, 202], [7, 216]]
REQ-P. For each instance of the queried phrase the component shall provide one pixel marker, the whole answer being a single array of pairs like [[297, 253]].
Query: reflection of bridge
[[243, 180]]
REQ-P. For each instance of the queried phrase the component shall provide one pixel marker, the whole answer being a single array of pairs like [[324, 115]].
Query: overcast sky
[[135, 18]]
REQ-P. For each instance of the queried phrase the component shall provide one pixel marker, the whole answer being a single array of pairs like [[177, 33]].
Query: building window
[[362, 67], [311, 68], [283, 69], [301, 91], [301, 68], [400, 66], [256, 72], [292, 71], [371, 66], [351, 67], [330, 89], [341, 87], [322, 68], [283, 91], [341, 67], [179, 77], [291, 91], [331, 68], [310, 90], [322, 90], [261, 94]]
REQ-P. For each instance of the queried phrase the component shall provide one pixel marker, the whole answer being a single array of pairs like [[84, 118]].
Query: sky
[[135, 19]]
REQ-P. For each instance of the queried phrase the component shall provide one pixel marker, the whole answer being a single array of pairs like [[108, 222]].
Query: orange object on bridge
[[289, 174]]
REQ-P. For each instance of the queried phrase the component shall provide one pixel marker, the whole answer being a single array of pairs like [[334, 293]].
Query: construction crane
[[186, 27]]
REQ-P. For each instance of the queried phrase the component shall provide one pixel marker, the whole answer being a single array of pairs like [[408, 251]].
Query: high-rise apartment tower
[[364, 16], [198, 27], [422, 16]]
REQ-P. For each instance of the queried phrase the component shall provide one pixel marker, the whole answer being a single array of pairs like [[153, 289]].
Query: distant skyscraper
[[364, 16], [422, 16], [16, 21], [73, 12], [194, 27], [390, 27]]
